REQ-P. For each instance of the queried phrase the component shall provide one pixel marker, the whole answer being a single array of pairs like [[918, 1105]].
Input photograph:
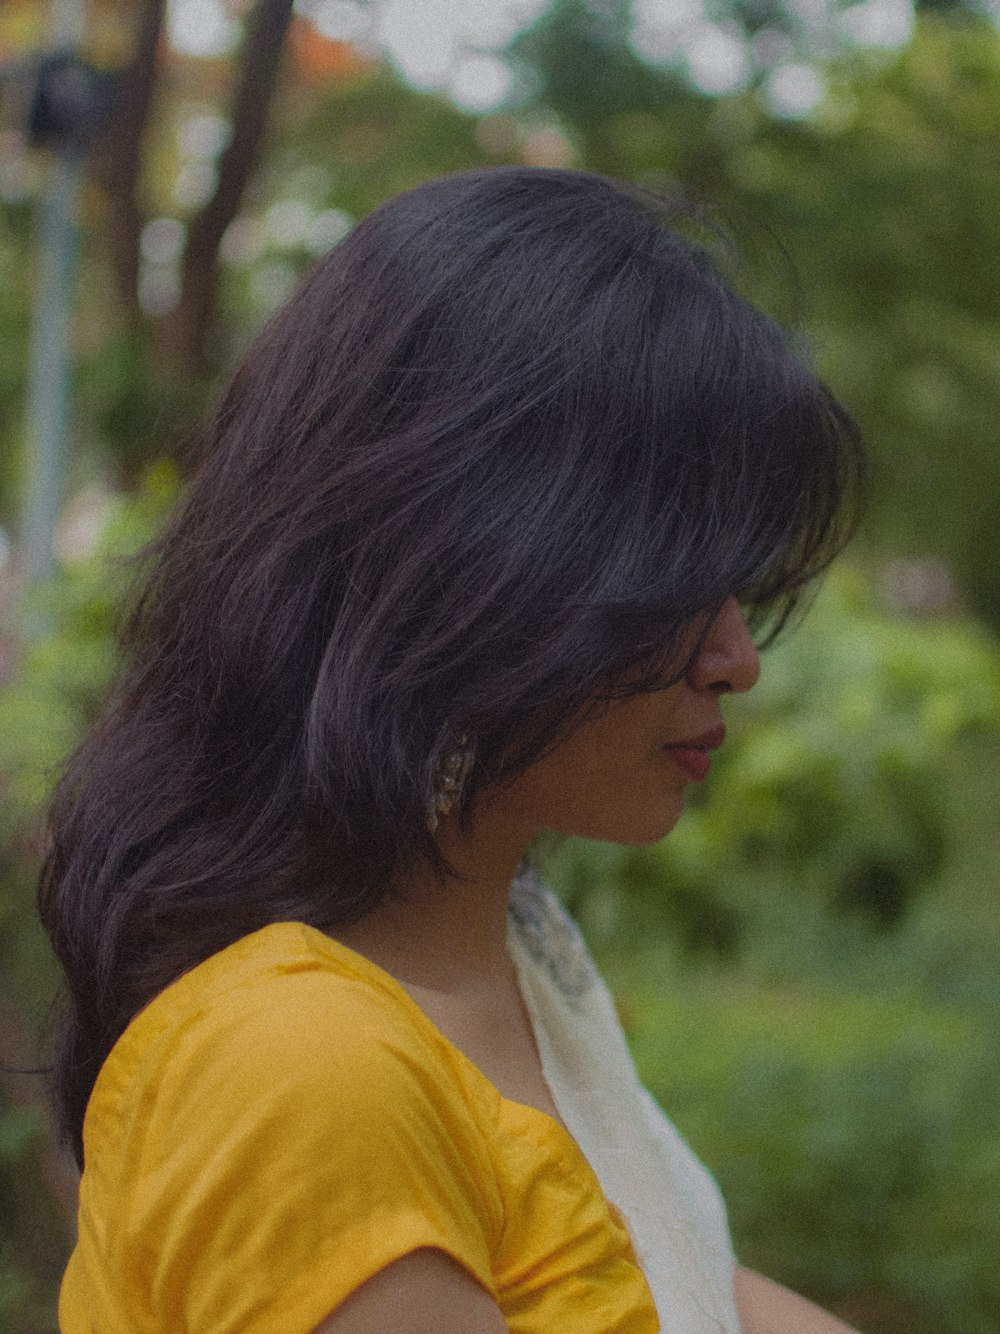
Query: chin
[[647, 840], [640, 834]]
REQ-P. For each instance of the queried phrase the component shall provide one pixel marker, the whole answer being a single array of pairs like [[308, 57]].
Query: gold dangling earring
[[449, 779]]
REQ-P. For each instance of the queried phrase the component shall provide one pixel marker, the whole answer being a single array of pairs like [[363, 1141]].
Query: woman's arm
[[424, 1292], [766, 1307]]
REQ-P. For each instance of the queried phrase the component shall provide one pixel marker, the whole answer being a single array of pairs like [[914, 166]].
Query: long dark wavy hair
[[511, 438]]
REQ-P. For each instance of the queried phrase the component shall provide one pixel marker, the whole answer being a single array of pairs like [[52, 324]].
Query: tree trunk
[[186, 328], [118, 159]]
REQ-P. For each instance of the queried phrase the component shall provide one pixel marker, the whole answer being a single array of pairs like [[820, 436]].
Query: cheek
[[604, 784]]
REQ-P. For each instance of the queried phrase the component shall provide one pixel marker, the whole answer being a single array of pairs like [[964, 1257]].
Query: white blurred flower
[[201, 28], [326, 229], [162, 241], [717, 59], [288, 222], [480, 82], [792, 91], [884, 23]]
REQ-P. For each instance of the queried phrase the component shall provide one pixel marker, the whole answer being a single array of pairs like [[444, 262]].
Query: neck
[[451, 937]]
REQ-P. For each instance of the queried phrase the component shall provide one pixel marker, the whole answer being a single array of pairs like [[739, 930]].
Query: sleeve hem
[[316, 1294]]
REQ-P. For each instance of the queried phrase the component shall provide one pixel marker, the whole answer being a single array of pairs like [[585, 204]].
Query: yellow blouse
[[282, 1122]]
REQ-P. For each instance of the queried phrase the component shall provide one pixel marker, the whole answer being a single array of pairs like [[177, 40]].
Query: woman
[[471, 554]]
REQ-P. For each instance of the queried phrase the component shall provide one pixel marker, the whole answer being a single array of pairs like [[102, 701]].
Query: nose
[[728, 660]]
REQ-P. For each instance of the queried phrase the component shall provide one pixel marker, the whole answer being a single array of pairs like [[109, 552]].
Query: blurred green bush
[[61, 680], [854, 1136]]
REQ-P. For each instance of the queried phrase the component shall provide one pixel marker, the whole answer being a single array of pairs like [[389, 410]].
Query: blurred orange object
[[319, 58]]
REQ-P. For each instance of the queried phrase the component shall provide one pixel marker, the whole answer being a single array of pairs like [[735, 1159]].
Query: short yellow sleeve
[[289, 1140]]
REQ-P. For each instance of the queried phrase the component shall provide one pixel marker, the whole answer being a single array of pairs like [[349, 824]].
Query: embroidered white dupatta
[[672, 1206]]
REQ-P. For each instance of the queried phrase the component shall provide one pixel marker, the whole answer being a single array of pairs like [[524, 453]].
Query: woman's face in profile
[[621, 774]]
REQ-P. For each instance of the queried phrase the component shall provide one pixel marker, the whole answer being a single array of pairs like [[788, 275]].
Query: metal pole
[[49, 357], [49, 366]]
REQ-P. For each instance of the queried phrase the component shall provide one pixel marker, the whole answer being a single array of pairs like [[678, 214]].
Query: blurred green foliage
[[64, 671], [61, 682], [854, 1136]]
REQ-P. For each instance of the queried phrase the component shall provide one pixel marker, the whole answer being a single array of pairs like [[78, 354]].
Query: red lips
[[710, 740], [692, 756]]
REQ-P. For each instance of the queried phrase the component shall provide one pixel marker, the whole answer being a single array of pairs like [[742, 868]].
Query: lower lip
[[694, 762]]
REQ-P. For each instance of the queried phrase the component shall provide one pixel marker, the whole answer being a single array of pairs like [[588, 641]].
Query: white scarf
[[671, 1205]]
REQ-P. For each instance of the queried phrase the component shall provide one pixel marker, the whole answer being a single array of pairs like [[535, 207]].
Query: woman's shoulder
[[287, 1008], [284, 972], [274, 1127]]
